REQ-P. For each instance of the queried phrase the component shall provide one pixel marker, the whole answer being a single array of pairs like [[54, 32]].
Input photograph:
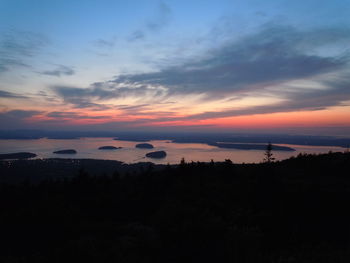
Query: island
[[158, 154], [68, 151], [19, 155], [109, 148], [144, 146], [250, 146]]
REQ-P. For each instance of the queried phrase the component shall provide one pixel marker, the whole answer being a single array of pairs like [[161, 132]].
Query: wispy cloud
[[105, 43], [136, 35], [264, 63], [274, 55], [17, 47], [59, 71], [160, 20], [9, 95], [96, 94], [73, 115]]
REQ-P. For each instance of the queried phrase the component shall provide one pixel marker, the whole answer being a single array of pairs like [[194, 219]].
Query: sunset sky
[[201, 65]]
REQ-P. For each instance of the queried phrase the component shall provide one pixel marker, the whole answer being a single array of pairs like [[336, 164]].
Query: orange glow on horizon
[[336, 116]]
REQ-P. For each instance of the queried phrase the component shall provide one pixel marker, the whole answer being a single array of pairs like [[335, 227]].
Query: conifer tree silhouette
[[268, 154]]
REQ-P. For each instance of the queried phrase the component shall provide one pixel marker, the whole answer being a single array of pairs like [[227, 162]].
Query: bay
[[88, 148]]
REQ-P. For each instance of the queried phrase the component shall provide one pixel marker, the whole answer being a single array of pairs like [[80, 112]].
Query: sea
[[87, 148]]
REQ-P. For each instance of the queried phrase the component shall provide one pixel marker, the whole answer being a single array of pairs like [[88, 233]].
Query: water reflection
[[88, 148]]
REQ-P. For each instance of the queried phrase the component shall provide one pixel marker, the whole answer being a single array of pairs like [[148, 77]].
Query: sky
[[174, 65]]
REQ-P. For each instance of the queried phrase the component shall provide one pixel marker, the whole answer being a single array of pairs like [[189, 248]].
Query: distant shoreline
[[251, 146], [314, 141]]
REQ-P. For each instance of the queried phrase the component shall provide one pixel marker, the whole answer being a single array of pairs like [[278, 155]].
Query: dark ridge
[[144, 146], [109, 148], [68, 151], [16, 171], [250, 146], [290, 211], [20, 155], [157, 155]]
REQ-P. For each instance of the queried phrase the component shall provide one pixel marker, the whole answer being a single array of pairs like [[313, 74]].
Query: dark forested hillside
[[291, 211]]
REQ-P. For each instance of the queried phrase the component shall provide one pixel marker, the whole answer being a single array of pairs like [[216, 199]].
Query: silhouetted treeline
[[291, 211], [37, 170]]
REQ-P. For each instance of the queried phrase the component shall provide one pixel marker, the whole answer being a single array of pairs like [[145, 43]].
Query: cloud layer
[[16, 118], [294, 70], [274, 55], [263, 64]]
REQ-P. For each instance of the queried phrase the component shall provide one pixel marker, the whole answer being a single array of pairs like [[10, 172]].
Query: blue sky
[[208, 59]]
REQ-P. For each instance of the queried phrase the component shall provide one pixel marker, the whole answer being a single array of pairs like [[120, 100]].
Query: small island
[[158, 154], [109, 148], [68, 151], [250, 146], [20, 155], [144, 146]]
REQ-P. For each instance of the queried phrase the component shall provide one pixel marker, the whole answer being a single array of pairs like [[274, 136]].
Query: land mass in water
[[144, 146], [109, 148], [68, 151], [19, 155], [251, 146], [157, 154]]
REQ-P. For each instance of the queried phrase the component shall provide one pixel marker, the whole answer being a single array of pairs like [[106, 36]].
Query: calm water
[[88, 148]]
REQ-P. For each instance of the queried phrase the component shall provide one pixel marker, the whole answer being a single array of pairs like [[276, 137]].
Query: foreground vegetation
[[296, 210]]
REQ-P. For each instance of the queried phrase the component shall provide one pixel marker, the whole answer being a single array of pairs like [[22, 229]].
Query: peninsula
[[68, 151], [19, 155]]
